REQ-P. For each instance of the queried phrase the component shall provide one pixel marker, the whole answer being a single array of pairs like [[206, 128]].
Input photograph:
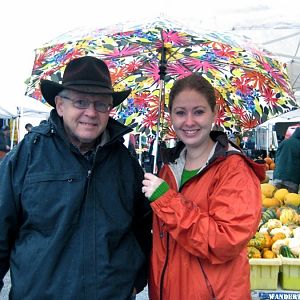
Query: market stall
[[22, 111], [268, 135]]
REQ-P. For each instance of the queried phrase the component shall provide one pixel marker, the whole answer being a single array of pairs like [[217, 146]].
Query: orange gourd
[[272, 166], [278, 236], [268, 160], [270, 202], [268, 243], [266, 253]]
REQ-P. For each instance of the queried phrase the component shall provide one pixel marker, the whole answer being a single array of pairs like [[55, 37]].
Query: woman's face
[[192, 117]]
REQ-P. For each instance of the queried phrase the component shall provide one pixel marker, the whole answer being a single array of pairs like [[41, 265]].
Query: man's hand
[[151, 183]]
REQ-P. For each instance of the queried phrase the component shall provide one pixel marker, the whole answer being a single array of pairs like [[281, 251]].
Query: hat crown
[[85, 74], [87, 70]]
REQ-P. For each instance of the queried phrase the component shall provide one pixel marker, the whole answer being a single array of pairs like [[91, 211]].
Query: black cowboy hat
[[87, 75]]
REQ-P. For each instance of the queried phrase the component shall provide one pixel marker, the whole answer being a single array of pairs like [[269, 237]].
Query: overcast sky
[[28, 24]]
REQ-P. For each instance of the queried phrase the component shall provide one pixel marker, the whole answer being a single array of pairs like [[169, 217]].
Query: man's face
[[83, 126]]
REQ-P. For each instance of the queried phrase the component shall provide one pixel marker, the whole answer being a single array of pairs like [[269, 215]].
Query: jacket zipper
[[164, 270], [207, 282], [89, 174]]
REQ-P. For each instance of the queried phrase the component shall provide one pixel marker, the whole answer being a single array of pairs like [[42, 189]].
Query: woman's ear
[[215, 112]]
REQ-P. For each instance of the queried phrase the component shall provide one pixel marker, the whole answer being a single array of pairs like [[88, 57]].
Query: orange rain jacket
[[200, 231]]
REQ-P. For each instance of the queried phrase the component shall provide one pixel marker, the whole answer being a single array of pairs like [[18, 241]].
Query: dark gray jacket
[[71, 228], [287, 159]]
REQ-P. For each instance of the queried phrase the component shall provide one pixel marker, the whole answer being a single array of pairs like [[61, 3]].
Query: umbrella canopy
[[251, 85]]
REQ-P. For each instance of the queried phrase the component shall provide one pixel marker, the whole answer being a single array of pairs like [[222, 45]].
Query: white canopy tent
[[265, 133], [26, 106], [22, 111], [291, 116]]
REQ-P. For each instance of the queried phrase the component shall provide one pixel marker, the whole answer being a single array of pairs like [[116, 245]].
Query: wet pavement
[[143, 295], [5, 289]]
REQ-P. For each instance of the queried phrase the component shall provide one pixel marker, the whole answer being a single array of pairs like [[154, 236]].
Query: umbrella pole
[[155, 146], [13, 134], [162, 74]]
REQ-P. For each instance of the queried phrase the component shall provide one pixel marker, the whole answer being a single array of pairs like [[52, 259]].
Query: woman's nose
[[189, 120]]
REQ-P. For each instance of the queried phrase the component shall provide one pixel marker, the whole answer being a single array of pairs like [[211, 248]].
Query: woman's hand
[[151, 183]]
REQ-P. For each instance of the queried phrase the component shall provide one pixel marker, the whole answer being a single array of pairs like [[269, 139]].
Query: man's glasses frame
[[85, 103]]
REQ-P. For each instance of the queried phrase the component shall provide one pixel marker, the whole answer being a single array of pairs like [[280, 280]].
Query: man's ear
[[59, 105]]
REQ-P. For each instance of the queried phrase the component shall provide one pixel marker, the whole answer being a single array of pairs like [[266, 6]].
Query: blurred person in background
[[287, 159], [28, 127]]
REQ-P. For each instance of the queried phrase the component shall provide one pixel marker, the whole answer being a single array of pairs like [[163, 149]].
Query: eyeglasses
[[84, 104]]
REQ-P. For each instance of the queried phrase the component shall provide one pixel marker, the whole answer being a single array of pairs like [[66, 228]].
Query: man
[[287, 158], [4, 141], [74, 222]]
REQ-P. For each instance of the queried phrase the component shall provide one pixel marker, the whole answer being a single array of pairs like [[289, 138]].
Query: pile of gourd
[[279, 230], [278, 197]]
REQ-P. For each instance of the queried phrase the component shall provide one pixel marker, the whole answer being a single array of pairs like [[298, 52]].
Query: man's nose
[[91, 108]]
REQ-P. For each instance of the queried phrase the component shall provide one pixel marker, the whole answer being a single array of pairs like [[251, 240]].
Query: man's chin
[[87, 140]]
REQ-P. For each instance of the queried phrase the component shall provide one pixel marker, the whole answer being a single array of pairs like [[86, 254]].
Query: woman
[[206, 205]]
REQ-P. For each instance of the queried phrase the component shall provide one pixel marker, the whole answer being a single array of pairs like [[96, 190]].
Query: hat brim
[[50, 89]]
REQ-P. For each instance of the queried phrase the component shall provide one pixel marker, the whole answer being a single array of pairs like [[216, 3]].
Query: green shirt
[[186, 175]]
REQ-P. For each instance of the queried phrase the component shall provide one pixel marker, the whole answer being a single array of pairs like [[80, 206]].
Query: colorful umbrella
[[251, 85]]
